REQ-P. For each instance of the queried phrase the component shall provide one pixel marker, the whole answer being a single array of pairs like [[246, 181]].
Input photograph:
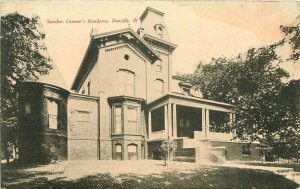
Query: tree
[[23, 58], [287, 141], [292, 37], [169, 147], [253, 83]]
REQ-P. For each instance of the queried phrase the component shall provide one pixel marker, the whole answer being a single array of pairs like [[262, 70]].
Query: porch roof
[[179, 97]]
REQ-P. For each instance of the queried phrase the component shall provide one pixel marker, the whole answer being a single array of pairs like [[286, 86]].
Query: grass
[[295, 166], [201, 177]]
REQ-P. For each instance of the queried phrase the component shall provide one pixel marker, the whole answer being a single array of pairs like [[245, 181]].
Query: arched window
[[118, 148], [132, 152], [127, 82], [159, 30], [159, 87]]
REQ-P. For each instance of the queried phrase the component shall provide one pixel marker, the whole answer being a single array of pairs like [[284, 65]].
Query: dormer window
[[140, 31], [159, 30], [185, 88], [186, 91]]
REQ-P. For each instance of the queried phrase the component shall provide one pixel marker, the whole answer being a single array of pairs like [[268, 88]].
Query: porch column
[[146, 150], [166, 120], [170, 120], [230, 122], [233, 119], [174, 121], [203, 121], [149, 125], [206, 123]]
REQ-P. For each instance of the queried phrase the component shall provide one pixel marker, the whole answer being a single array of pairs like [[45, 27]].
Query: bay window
[[125, 119]]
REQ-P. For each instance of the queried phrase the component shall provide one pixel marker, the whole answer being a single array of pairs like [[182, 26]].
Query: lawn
[[139, 174], [295, 166]]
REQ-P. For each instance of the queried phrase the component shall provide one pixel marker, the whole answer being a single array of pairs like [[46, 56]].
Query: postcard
[[150, 94]]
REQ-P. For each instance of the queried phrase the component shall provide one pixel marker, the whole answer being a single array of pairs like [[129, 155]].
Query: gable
[[130, 48], [125, 36]]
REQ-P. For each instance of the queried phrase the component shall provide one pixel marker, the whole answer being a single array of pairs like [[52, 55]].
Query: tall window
[[118, 119], [127, 83], [52, 108], [159, 87], [131, 119]]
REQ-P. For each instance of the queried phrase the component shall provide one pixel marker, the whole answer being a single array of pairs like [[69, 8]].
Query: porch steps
[[207, 153], [204, 151]]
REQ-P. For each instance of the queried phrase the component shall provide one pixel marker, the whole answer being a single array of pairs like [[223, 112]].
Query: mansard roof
[[150, 9], [99, 40]]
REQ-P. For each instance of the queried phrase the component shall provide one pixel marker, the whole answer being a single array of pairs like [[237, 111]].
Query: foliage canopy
[[23, 58]]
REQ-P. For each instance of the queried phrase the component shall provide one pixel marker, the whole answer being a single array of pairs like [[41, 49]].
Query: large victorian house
[[126, 102]]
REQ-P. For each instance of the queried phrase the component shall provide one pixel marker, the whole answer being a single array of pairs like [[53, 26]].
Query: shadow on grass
[[221, 177], [295, 166]]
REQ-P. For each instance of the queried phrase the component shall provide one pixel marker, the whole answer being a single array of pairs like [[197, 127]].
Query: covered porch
[[178, 116]]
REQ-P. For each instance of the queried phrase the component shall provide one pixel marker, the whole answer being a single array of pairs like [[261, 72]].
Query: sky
[[201, 29]]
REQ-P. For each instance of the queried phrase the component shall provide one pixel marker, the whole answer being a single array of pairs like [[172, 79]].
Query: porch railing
[[199, 135]]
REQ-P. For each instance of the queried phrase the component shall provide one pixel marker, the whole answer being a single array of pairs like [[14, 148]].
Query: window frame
[[130, 122], [124, 82], [160, 91], [117, 153], [57, 102], [114, 129], [159, 30], [132, 154]]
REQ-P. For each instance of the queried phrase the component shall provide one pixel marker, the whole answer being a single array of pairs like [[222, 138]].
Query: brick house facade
[[126, 102]]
